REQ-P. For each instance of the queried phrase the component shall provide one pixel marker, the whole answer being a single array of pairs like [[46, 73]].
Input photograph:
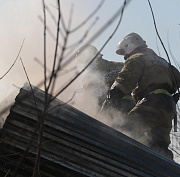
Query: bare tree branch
[[14, 61], [158, 48], [62, 19], [59, 105], [10, 154], [65, 39], [54, 19], [29, 84], [3, 140], [83, 37], [65, 71], [44, 12], [41, 64], [7, 173], [50, 32], [70, 18], [172, 56], [89, 17]]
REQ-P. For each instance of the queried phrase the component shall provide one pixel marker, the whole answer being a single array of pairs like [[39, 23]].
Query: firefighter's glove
[[115, 93], [176, 97]]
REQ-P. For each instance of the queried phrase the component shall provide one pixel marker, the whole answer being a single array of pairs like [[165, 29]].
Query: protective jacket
[[150, 79], [107, 70], [143, 69], [99, 77]]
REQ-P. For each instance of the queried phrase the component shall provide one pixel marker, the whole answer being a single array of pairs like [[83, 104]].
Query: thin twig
[[29, 84], [62, 19], [65, 39], [65, 71], [10, 154], [60, 105], [16, 86], [76, 44], [89, 17], [44, 12], [70, 18], [172, 56], [7, 173], [158, 48], [50, 32], [83, 37], [41, 64], [3, 140], [53, 17], [14, 61]]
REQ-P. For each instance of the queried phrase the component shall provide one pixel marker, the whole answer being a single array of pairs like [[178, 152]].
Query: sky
[[20, 20]]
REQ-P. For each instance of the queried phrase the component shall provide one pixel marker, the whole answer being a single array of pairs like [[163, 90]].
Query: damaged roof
[[74, 144]]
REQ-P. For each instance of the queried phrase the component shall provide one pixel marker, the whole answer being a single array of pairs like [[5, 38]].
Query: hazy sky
[[19, 20]]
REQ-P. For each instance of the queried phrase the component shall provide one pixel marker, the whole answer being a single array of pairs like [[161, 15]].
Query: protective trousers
[[151, 127]]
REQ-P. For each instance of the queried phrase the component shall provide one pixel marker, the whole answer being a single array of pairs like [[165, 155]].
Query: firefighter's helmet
[[87, 52], [129, 43]]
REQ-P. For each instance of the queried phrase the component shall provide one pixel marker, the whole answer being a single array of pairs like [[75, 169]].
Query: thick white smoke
[[90, 86]]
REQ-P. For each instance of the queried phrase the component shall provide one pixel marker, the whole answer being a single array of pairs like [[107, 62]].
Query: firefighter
[[150, 79], [98, 77]]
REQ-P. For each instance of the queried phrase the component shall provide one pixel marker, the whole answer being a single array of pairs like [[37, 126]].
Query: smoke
[[91, 88], [90, 85], [5, 106]]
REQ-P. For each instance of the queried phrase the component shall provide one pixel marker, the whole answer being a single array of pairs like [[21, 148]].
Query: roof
[[74, 144]]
